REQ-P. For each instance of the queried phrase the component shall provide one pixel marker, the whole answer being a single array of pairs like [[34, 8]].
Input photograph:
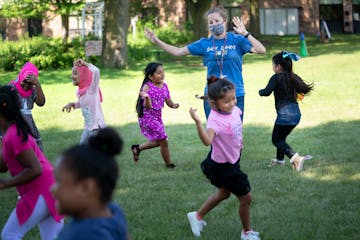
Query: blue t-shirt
[[111, 228], [210, 50]]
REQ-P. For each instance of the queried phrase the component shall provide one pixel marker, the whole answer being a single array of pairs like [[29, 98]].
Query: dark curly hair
[[96, 160], [10, 110]]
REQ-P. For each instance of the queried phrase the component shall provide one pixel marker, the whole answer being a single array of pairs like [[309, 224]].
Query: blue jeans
[[240, 104]]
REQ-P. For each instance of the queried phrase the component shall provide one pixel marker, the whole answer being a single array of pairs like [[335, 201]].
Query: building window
[[279, 21]]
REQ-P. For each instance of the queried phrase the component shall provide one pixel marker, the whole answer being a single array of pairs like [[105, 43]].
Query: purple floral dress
[[151, 123]]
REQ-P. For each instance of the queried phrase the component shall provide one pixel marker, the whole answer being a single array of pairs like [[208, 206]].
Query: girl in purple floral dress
[[153, 93]]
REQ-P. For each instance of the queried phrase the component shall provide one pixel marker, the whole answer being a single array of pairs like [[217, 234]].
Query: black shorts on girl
[[226, 175]]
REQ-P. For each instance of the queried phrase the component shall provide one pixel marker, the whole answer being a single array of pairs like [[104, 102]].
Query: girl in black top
[[288, 88]]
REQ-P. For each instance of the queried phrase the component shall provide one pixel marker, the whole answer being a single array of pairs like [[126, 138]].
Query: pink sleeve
[[212, 124], [166, 91], [20, 145]]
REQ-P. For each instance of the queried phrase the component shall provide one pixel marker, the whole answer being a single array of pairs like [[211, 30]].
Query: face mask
[[217, 29]]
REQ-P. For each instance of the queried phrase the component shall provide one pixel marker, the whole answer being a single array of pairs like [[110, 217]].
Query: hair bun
[[107, 140], [212, 79]]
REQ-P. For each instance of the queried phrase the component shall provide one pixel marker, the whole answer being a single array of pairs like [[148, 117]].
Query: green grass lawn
[[322, 202]]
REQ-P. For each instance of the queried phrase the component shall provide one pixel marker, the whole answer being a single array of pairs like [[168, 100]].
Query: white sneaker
[[297, 161], [250, 235], [276, 161], [196, 225]]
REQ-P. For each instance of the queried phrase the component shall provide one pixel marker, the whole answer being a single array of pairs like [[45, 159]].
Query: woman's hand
[[239, 26], [176, 105], [150, 35]]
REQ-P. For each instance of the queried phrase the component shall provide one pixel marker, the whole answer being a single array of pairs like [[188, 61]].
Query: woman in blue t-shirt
[[222, 52]]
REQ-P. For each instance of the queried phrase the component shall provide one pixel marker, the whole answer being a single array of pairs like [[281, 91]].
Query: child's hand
[[239, 26], [143, 94], [68, 107], [194, 115], [79, 62], [176, 105], [32, 79], [2, 184]]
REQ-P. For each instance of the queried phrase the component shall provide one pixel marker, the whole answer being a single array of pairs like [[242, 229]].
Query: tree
[[197, 9], [37, 9], [254, 17], [115, 33]]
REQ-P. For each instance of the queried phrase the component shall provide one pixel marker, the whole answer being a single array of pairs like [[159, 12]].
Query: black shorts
[[226, 175]]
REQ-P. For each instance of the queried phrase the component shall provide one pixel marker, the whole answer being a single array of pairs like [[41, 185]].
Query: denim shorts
[[288, 114]]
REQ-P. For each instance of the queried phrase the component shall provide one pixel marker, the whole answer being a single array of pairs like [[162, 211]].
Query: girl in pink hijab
[[87, 76], [29, 92]]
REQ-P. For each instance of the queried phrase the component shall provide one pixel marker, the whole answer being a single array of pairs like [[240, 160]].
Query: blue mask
[[217, 29]]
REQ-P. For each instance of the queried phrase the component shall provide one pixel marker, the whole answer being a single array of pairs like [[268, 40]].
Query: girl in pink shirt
[[87, 76], [30, 172], [221, 167]]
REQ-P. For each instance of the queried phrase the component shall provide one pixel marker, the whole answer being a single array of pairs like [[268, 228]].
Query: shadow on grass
[[286, 204]]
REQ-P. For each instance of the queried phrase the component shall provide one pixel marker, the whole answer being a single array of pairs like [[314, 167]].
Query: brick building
[[276, 17]]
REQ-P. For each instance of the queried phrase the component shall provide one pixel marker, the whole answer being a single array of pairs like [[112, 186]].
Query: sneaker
[[250, 235], [297, 161], [171, 166], [276, 161], [196, 225]]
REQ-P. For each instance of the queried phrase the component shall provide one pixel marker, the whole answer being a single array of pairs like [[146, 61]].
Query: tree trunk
[[65, 26], [197, 11], [115, 33], [254, 27]]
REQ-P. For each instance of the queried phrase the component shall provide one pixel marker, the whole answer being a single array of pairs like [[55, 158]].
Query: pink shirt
[[12, 146], [227, 141], [90, 103]]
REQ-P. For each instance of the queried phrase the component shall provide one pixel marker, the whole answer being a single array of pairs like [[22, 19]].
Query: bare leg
[[149, 144], [164, 150], [212, 201], [244, 210]]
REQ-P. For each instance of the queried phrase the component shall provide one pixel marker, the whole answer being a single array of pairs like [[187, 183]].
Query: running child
[[153, 93], [87, 76], [224, 133], [288, 88], [86, 177], [29, 91], [30, 172]]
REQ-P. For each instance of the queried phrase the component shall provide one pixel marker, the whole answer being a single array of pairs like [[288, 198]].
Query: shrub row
[[45, 53], [52, 53]]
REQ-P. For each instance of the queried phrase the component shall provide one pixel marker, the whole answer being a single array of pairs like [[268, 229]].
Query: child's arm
[[40, 96], [206, 136], [143, 93], [269, 87], [171, 104], [32, 169], [3, 167]]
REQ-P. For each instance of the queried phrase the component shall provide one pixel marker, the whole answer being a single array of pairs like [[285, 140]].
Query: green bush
[[52, 53], [140, 48], [45, 53]]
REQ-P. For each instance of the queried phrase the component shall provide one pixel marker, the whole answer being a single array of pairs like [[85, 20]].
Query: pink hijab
[[26, 70], [85, 79]]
